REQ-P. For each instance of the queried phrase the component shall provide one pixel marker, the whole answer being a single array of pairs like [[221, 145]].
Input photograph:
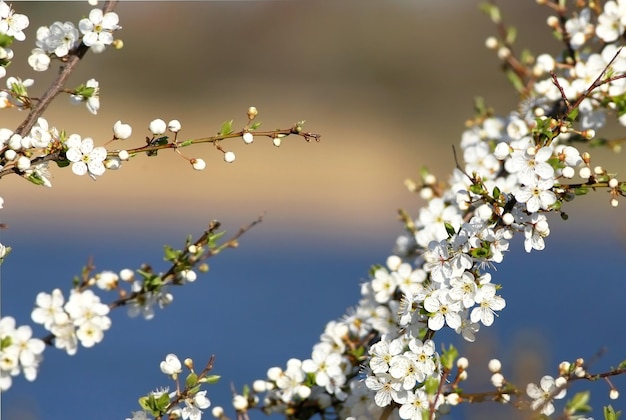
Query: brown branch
[[59, 83]]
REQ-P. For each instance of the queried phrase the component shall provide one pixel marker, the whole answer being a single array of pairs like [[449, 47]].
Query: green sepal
[[84, 91], [5, 342], [62, 163], [5, 40], [374, 269], [36, 179]]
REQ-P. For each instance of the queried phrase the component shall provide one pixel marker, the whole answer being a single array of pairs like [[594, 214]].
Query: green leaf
[[622, 365], [227, 128], [449, 229], [191, 380], [171, 254], [511, 35], [186, 143], [582, 190], [211, 379], [610, 414], [254, 126], [214, 237], [579, 402], [449, 356], [492, 11], [515, 80], [573, 114]]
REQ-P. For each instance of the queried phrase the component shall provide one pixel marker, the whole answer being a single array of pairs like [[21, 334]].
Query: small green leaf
[[192, 380], [211, 379], [227, 128], [213, 238], [610, 414], [579, 402], [449, 356], [511, 35], [582, 190], [171, 254], [449, 229], [254, 126], [186, 143]]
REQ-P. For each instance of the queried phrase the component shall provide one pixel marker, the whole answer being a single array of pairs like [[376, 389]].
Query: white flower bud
[[494, 366], [259, 386], [508, 219], [157, 126], [277, 141], [491, 43], [240, 403], [462, 363], [174, 126], [568, 172], [123, 155], [127, 274], [453, 399], [613, 182], [15, 142], [217, 412], [252, 112], [113, 163], [10, 154], [613, 394], [229, 157], [584, 172], [122, 131], [198, 164], [427, 193], [248, 137], [23, 163], [274, 373], [497, 380]]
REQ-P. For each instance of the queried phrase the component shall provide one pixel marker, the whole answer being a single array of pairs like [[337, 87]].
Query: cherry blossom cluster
[[380, 358], [185, 403]]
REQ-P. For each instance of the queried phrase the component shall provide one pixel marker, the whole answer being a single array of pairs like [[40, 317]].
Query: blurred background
[[389, 86]]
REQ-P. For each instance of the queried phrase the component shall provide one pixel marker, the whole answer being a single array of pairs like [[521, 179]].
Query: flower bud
[[252, 113], [174, 126], [248, 137], [157, 127], [122, 131], [198, 164], [229, 157]]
